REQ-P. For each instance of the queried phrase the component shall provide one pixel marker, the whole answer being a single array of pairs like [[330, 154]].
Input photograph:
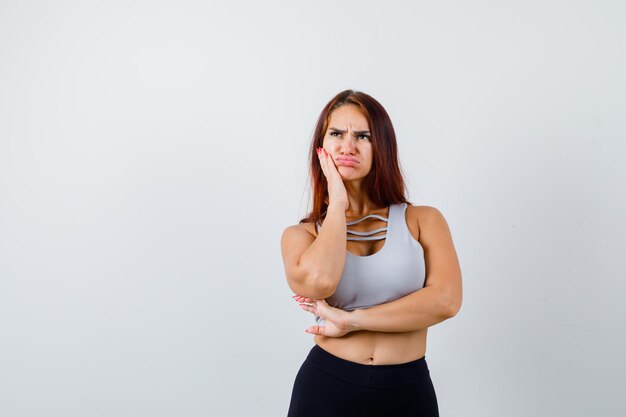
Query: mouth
[[349, 162], [346, 163]]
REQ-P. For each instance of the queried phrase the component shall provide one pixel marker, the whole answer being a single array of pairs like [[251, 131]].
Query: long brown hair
[[385, 183]]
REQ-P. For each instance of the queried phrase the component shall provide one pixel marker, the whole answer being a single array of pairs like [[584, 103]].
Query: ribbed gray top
[[397, 269]]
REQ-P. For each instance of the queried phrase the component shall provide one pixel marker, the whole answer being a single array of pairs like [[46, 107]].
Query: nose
[[348, 145]]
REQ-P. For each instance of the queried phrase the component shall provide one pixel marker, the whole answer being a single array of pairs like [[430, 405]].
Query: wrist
[[355, 320], [336, 207]]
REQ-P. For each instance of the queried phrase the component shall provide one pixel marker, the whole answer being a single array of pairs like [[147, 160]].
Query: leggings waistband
[[373, 376]]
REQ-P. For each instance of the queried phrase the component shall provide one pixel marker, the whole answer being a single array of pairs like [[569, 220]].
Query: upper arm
[[294, 242], [442, 264]]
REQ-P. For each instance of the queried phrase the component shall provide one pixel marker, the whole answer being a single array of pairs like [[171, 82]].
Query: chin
[[351, 176]]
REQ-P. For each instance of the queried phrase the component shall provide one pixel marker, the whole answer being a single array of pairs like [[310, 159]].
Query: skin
[[393, 332]]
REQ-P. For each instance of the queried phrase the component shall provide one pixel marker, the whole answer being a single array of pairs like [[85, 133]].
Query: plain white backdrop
[[152, 153]]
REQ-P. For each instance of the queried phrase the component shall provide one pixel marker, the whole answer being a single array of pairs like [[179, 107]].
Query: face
[[347, 139]]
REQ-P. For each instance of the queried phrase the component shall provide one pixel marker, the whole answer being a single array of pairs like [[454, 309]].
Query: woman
[[374, 287]]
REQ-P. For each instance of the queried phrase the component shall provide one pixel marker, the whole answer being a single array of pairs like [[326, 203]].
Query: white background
[[152, 153]]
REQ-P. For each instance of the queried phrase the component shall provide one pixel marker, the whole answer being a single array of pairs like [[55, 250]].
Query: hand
[[337, 320], [337, 193]]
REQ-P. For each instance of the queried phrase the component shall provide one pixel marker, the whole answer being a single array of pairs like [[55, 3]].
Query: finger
[[327, 155], [318, 330], [301, 299], [307, 307], [331, 171], [323, 161], [331, 164]]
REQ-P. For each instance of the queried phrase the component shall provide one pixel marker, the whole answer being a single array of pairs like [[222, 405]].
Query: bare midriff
[[376, 348]]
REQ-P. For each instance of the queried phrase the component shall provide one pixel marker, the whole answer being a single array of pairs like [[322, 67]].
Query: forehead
[[348, 116]]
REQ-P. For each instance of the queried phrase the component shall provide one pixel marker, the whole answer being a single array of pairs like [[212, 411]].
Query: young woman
[[375, 270]]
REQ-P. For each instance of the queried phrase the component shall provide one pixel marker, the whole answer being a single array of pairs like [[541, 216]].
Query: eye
[[334, 133]]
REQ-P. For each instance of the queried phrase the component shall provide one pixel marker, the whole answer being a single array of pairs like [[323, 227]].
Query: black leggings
[[329, 386]]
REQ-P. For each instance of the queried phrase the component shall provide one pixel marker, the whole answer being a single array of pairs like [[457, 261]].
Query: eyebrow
[[356, 132]]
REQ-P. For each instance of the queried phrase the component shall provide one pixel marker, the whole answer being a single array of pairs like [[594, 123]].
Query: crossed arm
[[439, 300]]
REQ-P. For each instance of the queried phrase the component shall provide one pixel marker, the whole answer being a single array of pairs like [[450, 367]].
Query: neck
[[359, 203]]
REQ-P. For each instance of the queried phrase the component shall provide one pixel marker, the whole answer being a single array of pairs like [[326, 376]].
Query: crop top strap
[[366, 217], [365, 235]]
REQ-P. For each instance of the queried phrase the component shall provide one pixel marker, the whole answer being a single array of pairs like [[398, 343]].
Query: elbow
[[314, 286], [452, 309], [317, 292], [323, 293], [451, 306], [321, 287]]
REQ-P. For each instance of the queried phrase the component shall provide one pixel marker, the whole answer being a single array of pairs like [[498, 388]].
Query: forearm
[[418, 310], [326, 255]]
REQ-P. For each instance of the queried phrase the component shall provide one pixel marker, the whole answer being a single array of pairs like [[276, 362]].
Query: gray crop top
[[397, 269]]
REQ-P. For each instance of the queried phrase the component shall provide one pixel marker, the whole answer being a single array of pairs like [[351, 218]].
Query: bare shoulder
[[300, 232], [425, 213], [427, 220], [303, 227]]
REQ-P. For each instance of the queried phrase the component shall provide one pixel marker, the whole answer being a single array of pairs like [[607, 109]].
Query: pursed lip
[[346, 159]]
